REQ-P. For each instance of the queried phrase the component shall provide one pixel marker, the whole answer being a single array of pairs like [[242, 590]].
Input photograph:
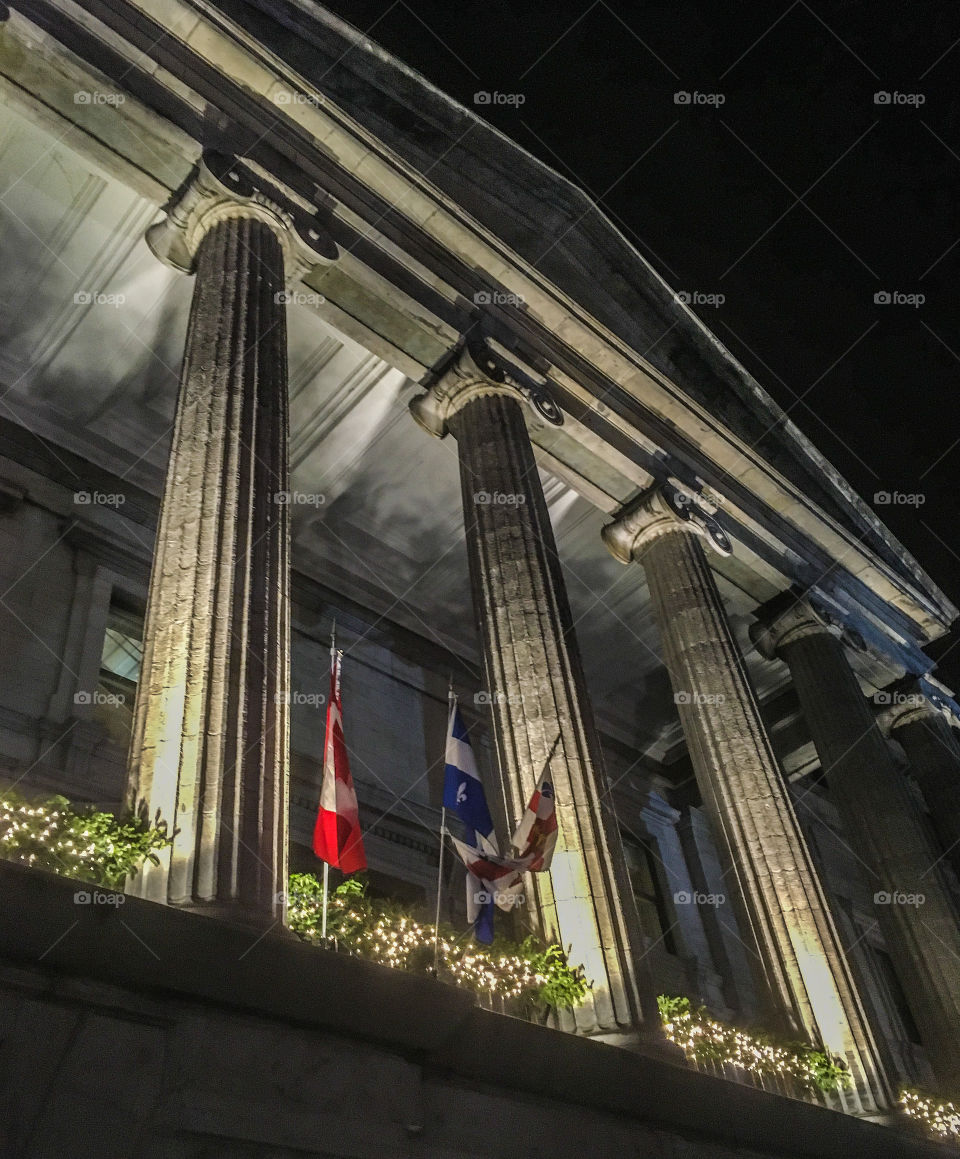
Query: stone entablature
[[627, 398]]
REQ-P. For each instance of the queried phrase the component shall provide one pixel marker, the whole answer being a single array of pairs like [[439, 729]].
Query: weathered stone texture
[[801, 967], [885, 830], [931, 748], [214, 1043], [211, 734], [542, 720]]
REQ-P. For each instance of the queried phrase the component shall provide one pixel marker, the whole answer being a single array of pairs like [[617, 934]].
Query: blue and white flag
[[463, 795], [462, 788]]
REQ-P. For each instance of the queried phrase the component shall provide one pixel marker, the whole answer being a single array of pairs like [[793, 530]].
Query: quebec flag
[[463, 795], [462, 787]]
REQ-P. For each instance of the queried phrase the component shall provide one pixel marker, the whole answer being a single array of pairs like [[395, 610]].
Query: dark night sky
[[798, 198]]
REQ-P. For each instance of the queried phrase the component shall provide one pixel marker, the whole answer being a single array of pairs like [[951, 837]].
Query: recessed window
[[645, 881], [119, 671]]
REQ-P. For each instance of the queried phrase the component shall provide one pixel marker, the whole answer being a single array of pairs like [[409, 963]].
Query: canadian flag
[[336, 835]]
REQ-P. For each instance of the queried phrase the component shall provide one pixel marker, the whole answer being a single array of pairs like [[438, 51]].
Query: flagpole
[[451, 700], [326, 864]]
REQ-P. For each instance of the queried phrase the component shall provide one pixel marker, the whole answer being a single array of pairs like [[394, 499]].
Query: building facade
[[294, 340]]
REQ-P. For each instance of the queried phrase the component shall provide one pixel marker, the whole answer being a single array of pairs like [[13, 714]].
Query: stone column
[[881, 822], [914, 717], [542, 720], [210, 745], [802, 975]]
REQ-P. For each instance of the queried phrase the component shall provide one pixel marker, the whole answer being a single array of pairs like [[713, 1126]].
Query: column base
[[245, 919], [652, 1045]]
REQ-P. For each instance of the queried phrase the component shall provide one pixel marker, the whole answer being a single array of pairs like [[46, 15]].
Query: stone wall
[[140, 1030]]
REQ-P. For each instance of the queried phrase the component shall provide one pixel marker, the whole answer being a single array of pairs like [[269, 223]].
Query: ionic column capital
[[478, 373], [904, 702], [221, 189], [664, 509], [789, 618]]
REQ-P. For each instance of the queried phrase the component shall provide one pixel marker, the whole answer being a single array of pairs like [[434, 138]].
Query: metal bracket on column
[[221, 188], [667, 507], [480, 369]]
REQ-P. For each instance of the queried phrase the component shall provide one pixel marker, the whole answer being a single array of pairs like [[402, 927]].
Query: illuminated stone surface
[[883, 826], [542, 720], [211, 735], [798, 958], [930, 744]]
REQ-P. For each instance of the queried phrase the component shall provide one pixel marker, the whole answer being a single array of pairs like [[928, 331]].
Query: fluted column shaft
[[798, 958], [931, 748], [886, 832], [542, 719], [211, 733]]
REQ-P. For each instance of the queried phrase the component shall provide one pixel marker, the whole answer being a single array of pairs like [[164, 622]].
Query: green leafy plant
[[564, 987], [704, 1039], [84, 843], [383, 931], [97, 846]]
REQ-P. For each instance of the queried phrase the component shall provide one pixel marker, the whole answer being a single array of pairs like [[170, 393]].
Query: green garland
[[704, 1039], [82, 843], [96, 846], [383, 931]]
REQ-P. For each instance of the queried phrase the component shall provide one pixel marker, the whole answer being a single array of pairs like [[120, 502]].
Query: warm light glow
[[392, 942], [937, 1115], [703, 1039]]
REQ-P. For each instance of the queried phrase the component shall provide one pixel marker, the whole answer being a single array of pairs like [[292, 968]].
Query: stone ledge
[[161, 954], [154, 949]]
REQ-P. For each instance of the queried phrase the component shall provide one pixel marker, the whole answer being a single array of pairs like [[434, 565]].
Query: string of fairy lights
[[396, 940], [78, 842], [703, 1039], [94, 846], [24, 826], [939, 1117]]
